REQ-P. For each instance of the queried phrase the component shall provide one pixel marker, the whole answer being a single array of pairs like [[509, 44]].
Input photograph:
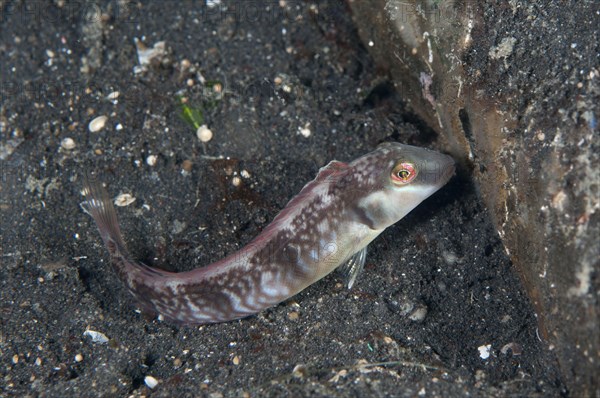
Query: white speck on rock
[[504, 49]]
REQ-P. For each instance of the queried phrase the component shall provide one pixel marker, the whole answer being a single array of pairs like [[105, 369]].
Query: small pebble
[[236, 360], [68, 143], [292, 316], [559, 200], [245, 174], [113, 96], [124, 199], [150, 381], [213, 3], [97, 124], [300, 371], [204, 134], [97, 337], [305, 131], [541, 136], [78, 358], [38, 361], [418, 314], [236, 181], [151, 160], [187, 165], [15, 359], [185, 64], [512, 347]]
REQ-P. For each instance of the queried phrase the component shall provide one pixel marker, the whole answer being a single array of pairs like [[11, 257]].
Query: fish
[[328, 225]]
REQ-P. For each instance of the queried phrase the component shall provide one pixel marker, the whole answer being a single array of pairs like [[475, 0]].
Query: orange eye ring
[[404, 173]]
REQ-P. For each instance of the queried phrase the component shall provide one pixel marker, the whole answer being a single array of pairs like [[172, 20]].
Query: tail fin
[[98, 204]]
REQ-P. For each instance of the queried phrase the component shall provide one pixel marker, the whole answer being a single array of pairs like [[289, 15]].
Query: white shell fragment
[[146, 55], [484, 351], [212, 3], [97, 337], [151, 160], [67, 143], [97, 124], [418, 314], [124, 199], [204, 134], [305, 131], [150, 381]]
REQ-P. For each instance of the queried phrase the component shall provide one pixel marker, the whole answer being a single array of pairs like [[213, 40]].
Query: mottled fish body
[[328, 224]]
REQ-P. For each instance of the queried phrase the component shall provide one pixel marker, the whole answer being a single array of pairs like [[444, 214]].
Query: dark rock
[[513, 89]]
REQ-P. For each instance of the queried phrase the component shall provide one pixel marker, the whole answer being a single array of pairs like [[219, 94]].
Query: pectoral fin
[[354, 265]]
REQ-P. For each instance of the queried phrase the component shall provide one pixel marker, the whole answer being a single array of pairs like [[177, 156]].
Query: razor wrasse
[[328, 224]]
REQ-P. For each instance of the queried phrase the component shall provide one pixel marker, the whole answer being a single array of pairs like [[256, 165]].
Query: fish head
[[395, 178]]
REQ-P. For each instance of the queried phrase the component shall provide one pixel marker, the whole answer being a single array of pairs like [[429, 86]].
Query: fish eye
[[403, 173]]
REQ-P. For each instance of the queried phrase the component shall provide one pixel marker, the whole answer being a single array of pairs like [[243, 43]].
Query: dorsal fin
[[332, 171]]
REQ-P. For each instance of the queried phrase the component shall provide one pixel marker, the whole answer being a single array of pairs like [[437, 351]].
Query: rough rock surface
[[513, 86]]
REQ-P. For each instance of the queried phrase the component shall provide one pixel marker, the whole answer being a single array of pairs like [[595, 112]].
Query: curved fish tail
[[98, 204]]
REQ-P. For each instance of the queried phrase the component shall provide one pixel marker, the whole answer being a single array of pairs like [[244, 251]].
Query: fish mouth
[[449, 169]]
